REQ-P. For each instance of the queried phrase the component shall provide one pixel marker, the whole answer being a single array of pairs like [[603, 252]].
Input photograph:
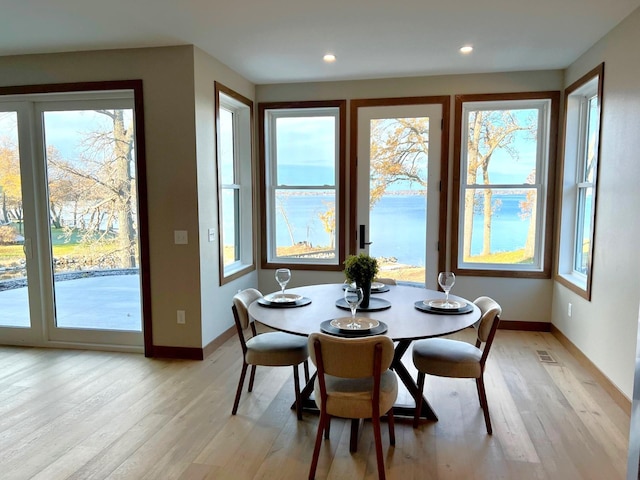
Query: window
[[506, 146], [579, 176], [303, 161], [235, 198]]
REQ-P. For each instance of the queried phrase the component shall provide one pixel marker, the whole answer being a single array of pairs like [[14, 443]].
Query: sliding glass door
[[69, 261]]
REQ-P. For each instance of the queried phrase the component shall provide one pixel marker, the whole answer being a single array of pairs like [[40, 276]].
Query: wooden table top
[[405, 322]]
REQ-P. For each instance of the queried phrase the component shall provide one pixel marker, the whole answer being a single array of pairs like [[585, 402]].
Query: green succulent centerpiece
[[361, 269]]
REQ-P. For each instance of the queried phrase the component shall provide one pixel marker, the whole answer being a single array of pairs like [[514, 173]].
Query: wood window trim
[[341, 105], [559, 277], [445, 102], [224, 279], [554, 97]]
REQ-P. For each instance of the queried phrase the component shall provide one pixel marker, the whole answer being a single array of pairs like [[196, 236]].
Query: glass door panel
[[398, 192], [14, 298], [90, 171]]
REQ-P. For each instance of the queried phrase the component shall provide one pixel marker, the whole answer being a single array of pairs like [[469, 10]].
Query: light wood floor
[[94, 415]]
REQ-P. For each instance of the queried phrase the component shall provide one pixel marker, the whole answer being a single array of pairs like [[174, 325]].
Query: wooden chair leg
[[316, 449], [378, 443], [392, 428], [252, 377], [484, 404], [239, 391], [296, 384], [416, 417], [327, 427]]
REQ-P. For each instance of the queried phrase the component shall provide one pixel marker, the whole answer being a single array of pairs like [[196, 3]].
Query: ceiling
[[276, 41]]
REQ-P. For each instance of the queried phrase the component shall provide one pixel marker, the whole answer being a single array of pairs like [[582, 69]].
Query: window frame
[[242, 109], [574, 155], [266, 174], [547, 148]]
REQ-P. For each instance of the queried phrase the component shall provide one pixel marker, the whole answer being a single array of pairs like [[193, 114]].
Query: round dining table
[[394, 307]]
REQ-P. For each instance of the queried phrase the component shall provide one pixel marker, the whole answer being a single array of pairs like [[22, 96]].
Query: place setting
[[376, 287], [353, 326], [446, 280], [281, 299]]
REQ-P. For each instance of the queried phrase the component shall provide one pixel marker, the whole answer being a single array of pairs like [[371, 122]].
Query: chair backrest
[[488, 324], [241, 302], [350, 357]]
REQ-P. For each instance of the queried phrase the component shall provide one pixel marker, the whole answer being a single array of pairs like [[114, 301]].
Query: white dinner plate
[[346, 323], [278, 297], [441, 304]]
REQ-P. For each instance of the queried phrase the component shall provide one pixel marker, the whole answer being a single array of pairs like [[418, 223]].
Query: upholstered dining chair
[[444, 357], [272, 349], [354, 382]]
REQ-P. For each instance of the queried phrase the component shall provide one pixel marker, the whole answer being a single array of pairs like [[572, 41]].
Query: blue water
[[398, 227]]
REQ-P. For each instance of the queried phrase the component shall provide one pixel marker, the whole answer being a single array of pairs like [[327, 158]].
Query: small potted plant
[[361, 269]]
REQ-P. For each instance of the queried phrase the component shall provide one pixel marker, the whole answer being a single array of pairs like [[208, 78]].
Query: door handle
[[362, 242]]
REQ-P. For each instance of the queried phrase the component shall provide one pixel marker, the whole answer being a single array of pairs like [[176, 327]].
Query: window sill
[[235, 271], [575, 283]]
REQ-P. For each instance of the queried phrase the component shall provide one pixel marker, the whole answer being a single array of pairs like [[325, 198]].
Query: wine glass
[[446, 281], [283, 275], [353, 296]]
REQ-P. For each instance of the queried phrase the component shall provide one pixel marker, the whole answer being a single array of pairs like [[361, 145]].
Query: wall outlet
[[181, 317], [569, 309]]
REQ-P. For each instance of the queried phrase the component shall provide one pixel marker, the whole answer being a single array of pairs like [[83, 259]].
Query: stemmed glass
[[283, 275], [446, 281], [353, 296]]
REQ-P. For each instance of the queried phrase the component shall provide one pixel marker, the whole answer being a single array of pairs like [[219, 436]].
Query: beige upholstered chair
[[354, 381], [268, 349], [452, 358]]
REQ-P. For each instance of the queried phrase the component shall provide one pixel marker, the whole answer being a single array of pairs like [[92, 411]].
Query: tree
[[488, 132], [328, 219], [399, 151], [102, 184], [10, 186]]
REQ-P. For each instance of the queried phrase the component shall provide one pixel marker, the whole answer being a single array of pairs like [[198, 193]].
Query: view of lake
[[397, 225]]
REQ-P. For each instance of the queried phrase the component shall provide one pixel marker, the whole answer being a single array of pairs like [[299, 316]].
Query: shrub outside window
[[502, 198]]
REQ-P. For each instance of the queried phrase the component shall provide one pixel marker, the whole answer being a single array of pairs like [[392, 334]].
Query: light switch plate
[[212, 234], [180, 237]]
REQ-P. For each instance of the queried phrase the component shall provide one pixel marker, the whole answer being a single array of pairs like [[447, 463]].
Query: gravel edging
[[22, 282]]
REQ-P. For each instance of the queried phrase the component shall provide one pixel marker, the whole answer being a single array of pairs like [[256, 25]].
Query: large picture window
[[502, 194], [302, 149], [233, 139], [579, 175]]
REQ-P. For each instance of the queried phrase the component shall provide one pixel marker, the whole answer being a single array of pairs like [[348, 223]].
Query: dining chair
[[354, 382], [273, 349], [444, 357]]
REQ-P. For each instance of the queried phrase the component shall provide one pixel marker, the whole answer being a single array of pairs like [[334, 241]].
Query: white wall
[[521, 299], [604, 329], [215, 300]]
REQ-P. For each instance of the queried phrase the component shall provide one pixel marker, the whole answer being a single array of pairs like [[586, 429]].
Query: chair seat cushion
[[447, 358], [276, 349], [351, 397]]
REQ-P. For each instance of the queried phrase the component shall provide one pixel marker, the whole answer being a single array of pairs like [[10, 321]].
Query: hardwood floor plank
[[80, 415]]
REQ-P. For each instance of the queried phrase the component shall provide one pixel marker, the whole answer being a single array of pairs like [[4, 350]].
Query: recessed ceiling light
[[329, 58], [466, 49]]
